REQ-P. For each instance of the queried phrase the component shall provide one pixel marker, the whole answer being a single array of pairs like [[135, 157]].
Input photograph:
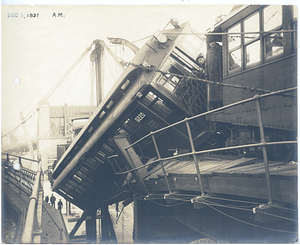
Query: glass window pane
[[274, 44], [235, 39], [235, 59], [191, 44], [253, 53], [251, 25], [272, 17]]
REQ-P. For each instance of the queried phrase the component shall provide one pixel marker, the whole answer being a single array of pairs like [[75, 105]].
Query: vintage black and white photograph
[[149, 123]]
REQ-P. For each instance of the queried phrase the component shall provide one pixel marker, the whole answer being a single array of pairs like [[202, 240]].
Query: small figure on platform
[[47, 199], [52, 200], [201, 62], [59, 204]]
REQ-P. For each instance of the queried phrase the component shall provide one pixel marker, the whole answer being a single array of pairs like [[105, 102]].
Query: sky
[[39, 51]]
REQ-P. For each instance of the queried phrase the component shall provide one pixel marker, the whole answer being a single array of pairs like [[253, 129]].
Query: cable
[[75, 77], [142, 39], [110, 69], [242, 221], [164, 205], [51, 91]]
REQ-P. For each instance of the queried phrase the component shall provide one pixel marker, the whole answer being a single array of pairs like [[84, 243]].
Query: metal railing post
[[263, 144], [161, 164], [136, 172], [194, 156], [123, 175], [31, 212]]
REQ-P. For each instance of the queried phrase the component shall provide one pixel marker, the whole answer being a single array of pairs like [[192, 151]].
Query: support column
[[107, 229], [90, 226]]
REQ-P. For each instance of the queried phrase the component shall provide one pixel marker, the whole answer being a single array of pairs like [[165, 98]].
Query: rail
[[28, 180], [13, 168], [31, 212], [262, 143]]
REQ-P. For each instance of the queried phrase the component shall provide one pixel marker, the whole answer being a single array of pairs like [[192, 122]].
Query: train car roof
[[237, 13]]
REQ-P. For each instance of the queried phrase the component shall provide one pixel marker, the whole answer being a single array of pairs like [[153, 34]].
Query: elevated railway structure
[[228, 174], [194, 172], [191, 196]]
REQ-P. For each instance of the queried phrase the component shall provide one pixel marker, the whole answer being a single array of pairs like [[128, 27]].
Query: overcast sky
[[40, 50]]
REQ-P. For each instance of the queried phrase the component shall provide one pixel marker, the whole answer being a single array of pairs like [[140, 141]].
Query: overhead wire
[[50, 92], [109, 68], [75, 77]]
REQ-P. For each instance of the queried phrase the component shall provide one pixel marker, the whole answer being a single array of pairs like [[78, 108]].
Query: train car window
[[192, 44], [234, 48], [130, 126], [235, 60], [272, 17], [252, 53], [125, 85], [102, 114], [273, 44], [70, 187], [272, 20], [234, 40], [149, 98], [77, 178], [170, 81], [161, 108], [81, 188], [110, 104], [81, 174], [251, 25], [254, 48], [153, 124]]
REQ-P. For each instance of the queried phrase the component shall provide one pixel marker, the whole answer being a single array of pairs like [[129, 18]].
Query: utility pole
[[97, 56], [26, 135]]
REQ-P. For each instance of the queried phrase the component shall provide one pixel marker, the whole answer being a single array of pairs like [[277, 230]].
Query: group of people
[[53, 200], [211, 69]]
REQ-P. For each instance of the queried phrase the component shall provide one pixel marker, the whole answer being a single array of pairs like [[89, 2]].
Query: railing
[[14, 169], [193, 153], [28, 180], [31, 212]]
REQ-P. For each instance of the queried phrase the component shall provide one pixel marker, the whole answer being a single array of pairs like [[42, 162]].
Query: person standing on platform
[[52, 200], [46, 199], [59, 205], [201, 62], [214, 72]]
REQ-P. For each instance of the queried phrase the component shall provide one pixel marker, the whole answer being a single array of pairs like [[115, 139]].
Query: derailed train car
[[143, 99], [159, 87]]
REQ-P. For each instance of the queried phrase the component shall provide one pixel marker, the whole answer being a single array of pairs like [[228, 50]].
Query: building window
[[57, 126]]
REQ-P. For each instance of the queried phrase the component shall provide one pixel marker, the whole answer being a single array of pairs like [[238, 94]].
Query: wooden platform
[[227, 175]]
